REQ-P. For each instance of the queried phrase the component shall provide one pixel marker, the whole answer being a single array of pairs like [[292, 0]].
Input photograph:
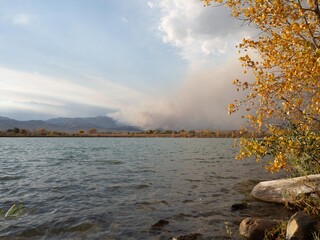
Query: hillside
[[101, 123]]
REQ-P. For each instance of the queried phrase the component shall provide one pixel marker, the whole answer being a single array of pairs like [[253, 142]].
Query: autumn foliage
[[284, 97]]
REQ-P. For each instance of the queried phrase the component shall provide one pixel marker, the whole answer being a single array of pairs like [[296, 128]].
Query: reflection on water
[[104, 188]]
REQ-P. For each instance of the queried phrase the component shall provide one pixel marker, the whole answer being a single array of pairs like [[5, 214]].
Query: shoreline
[[143, 134], [107, 136]]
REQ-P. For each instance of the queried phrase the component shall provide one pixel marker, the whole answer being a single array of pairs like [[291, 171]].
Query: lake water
[[117, 188]]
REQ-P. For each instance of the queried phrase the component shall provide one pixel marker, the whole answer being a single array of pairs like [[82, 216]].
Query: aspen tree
[[284, 97]]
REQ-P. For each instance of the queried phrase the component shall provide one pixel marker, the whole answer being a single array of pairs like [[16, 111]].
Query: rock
[[239, 206], [192, 236], [300, 226], [255, 229], [286, 190], [160, 224]]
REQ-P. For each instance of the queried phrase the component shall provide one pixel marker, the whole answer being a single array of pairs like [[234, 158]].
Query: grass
[[15, 210]]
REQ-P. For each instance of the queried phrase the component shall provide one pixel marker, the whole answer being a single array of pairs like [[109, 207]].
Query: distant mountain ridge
[[101, 123]]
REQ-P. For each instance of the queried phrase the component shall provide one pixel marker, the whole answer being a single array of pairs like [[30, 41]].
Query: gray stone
[[300, 226], [286, 190], [255, 228]]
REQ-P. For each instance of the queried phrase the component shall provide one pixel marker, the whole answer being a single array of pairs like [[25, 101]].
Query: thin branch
[[302, 112]]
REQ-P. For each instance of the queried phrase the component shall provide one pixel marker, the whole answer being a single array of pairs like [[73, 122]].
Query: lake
[[117, 188]]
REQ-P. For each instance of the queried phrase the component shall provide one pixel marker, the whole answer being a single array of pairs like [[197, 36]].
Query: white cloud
[[17, 19], [21, 19], [214, 46], [151, 4], [37, 92], [198, 32], [123, 19]]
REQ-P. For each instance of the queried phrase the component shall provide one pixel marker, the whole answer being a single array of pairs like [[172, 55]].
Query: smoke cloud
[[206, 39], [200, 103]]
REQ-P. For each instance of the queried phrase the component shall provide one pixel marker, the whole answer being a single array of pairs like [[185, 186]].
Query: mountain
[[101, 123], [8, 123]]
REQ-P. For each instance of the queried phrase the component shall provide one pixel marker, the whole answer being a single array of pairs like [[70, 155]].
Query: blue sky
[[161, 63]]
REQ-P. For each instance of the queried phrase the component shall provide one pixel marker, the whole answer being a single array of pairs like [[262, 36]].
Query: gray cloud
[[216, 21]]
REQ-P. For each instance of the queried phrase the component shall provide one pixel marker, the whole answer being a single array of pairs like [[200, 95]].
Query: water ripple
[[108, 188]]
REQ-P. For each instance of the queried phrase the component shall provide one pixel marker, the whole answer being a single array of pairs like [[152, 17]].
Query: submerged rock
[[300, 226], [286, 190], [239, 206], [192, 236], [160, 224], [255, 229]]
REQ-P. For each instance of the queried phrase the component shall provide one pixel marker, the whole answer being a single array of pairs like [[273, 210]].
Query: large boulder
[[255, 228], [300, 227], [286, 190]]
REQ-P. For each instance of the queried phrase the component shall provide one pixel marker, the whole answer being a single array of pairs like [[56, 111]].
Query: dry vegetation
[[16, 132]]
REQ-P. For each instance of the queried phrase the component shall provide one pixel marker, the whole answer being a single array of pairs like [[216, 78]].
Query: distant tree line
[[16, 132]]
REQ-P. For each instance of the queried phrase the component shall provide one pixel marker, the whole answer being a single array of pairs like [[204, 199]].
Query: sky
[[150, 63]]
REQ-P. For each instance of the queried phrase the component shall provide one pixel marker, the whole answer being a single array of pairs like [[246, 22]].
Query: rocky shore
[[300, 226], [280, 195]]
